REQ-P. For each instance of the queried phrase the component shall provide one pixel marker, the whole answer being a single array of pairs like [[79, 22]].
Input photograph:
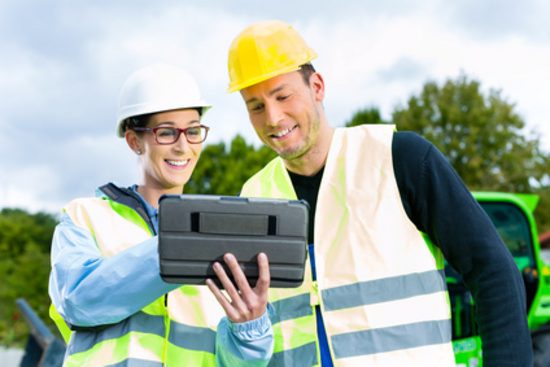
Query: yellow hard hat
[[263, 50]]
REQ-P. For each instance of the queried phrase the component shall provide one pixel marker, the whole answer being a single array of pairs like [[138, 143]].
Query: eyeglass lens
[[169, 135]]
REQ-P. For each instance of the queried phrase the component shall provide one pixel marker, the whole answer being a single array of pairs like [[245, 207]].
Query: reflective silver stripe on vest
[[192, 337], [83, 340], [291, 308], [132, 362], [391, 338], [383, 290], [303, 356]]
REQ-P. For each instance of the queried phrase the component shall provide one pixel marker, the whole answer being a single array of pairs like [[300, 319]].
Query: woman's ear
[[133, 141]]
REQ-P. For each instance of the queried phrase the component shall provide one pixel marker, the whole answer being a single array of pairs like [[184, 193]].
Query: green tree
[[223, 169], [18, 228], [481, 135], [25, 241], [370, 115]]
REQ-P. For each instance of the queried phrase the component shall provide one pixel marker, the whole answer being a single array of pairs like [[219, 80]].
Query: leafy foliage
[[222, 170], [370, 115], [24, 268], [481, 135]]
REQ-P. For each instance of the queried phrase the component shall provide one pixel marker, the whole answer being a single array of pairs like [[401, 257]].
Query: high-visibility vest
[[381, 289], [178, 329]]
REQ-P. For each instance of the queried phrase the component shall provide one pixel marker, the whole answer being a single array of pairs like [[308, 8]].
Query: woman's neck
[[153, 194]]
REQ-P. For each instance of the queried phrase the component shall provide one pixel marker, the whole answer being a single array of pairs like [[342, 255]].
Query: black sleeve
[[438, 203]]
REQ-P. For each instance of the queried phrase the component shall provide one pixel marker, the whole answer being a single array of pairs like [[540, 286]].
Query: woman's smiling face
[[168, 167]]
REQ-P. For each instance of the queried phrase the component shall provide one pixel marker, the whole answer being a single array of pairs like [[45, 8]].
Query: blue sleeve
[[89, 290], [245, 344]]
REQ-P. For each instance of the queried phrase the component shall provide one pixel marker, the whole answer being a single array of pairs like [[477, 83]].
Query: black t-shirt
[[438, 203], [307, 188]]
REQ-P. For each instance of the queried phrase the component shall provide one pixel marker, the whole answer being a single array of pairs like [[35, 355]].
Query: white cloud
[[357, 68], [27, 188]]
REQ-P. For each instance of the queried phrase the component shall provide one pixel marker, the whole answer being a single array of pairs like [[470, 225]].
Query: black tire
[[541, 349]]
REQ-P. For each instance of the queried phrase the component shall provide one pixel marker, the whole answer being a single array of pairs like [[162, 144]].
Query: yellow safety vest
[[381, 289], [176, 330]]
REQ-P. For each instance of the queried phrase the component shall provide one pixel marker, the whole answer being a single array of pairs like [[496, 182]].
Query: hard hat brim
[[261, 78]]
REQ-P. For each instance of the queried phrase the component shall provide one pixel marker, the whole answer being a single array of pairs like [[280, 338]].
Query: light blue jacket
[[82, 281]]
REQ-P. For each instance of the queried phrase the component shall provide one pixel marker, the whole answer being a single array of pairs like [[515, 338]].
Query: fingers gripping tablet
[[197, 230]]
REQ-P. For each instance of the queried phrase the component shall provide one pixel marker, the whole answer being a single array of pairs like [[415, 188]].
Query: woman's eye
[[193, 131], [166, 132]]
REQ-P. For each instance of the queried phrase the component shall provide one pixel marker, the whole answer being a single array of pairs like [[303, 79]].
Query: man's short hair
[[306, 70]]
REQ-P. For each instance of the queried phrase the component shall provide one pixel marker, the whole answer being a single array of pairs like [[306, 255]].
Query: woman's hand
[[245, 303]]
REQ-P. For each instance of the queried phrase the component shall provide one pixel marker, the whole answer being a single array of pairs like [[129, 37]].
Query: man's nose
[[274, 114]]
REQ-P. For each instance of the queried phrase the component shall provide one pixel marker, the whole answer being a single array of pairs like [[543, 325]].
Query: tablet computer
[[196, 230]]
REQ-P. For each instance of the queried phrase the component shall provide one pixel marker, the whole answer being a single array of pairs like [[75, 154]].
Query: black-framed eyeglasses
[[165, 135]]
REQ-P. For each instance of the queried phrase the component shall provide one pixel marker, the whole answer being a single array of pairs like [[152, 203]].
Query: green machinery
[[512, 215]]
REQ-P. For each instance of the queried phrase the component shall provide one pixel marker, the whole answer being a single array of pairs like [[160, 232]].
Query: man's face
[[285, 113]]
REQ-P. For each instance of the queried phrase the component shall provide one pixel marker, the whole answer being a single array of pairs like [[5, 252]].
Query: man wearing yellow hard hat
[[375, 292]]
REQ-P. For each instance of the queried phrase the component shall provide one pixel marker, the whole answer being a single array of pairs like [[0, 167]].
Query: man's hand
[[244, 303]]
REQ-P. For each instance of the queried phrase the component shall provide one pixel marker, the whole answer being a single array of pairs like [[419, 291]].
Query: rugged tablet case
[[195, 230]]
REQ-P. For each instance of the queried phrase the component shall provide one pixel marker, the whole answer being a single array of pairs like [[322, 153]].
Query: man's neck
[[312, 162]]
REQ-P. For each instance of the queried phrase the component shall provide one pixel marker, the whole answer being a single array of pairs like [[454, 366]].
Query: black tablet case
[[195, 230]]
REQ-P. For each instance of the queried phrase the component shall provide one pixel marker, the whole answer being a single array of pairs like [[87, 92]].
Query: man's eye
[[282, 98], [257, 108]]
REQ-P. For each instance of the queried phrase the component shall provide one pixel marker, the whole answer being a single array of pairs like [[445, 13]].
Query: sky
[[63, 62]]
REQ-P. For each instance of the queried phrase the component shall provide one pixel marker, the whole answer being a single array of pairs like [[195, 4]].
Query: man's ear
[[133, 141], [317, 84]]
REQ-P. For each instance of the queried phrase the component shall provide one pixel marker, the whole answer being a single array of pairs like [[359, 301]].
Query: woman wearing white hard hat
[[109, 300]]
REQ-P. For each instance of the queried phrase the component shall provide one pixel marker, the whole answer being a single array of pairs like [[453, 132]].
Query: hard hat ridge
[[157, 88]]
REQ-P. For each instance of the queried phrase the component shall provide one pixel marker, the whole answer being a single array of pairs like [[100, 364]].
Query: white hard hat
[[157, 88]]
